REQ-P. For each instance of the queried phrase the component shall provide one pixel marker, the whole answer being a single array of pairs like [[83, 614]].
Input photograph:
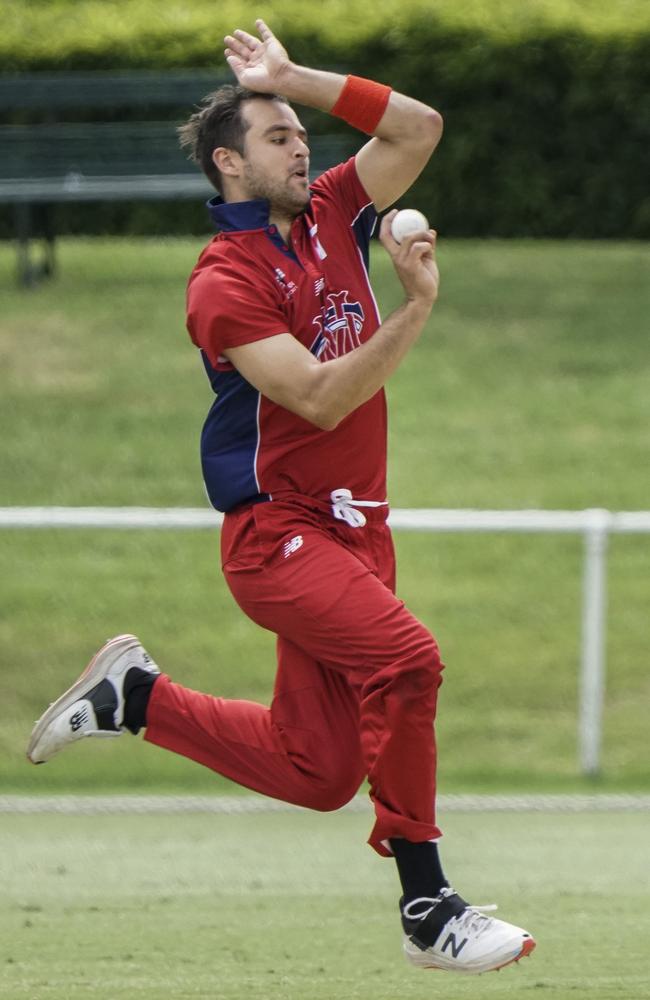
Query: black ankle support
[[104, 702], [426, 931]]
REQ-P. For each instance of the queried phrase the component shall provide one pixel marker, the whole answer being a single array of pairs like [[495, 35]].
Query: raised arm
[[404, 137]]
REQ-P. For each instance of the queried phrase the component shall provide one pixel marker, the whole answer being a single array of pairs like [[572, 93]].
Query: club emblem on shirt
[[339, 327]]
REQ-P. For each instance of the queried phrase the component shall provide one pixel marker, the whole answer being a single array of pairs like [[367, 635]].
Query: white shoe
[[447, 933], [94, 705]]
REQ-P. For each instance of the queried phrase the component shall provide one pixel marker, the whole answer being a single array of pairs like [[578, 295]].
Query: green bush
[[95, 34], [545, 103]]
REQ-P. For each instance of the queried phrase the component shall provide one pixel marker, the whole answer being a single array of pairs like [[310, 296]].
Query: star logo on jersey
[[339, 327]]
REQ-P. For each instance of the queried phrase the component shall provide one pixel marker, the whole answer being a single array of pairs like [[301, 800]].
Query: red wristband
[[362, 103]]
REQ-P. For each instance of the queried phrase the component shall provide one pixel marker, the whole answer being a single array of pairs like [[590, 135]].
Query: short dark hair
[[219, 122]]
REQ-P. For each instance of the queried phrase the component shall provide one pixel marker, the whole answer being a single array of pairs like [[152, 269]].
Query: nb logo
[[287, 286], [292, 546], [78, 719], [455, 947]]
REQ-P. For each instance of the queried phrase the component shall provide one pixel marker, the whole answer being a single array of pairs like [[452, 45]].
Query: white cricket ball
[[408, 221]]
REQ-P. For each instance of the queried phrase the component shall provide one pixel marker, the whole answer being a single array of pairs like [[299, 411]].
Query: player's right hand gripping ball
[[408, 221]]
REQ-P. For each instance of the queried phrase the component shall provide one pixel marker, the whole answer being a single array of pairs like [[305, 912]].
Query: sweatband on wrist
[[362, 103]]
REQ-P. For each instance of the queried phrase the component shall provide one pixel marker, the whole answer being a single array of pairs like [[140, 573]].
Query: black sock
[[419, 868], [138, 685]]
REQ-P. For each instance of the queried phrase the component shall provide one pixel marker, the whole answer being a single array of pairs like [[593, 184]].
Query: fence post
[[594, 609]]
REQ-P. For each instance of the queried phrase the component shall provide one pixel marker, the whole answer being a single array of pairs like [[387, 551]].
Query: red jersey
[[248, 285]]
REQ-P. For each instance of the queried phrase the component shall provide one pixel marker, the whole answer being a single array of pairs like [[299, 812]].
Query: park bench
[[100, 136]]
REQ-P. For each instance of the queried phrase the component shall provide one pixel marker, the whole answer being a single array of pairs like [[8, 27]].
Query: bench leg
[[29, 272], [25, 270], [46, 225]]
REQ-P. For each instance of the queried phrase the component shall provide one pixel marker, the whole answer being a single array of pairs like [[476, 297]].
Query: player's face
[[276, 157]]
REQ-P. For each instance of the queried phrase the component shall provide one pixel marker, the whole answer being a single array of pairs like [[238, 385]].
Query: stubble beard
[[283, 201]]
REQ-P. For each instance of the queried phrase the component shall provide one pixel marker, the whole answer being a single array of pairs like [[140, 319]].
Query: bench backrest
[[46, 93], [118, 124]]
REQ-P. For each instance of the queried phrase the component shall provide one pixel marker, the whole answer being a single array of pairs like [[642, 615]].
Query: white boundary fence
[[98, 805], [595, 525]]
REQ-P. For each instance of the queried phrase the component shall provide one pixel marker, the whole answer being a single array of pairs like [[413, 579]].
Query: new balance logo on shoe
[[79, 719], [292, 546], [94, 704], [455, 947], [445, 932]]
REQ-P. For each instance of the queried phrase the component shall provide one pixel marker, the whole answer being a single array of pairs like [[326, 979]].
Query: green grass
[[295, 906], [528, 389]]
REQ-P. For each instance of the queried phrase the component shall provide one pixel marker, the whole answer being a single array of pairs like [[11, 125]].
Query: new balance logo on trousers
[[292, 546]]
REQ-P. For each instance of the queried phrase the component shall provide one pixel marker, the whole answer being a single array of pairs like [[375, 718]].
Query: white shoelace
[[472, 919], [344, 507]]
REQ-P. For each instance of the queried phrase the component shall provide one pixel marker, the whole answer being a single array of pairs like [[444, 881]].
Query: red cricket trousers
[[357, 674]]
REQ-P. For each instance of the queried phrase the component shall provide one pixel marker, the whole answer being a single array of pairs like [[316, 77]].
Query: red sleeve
[[225, 310], [341, 187]]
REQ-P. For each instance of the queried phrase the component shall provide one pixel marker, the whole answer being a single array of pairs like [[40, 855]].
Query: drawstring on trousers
[[344, 507]]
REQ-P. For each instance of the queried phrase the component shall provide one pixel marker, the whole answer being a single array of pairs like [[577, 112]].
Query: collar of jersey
[[247, 216], [240, 216]]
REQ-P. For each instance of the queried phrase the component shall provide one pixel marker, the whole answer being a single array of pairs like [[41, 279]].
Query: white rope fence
[[414, 519], [595, 525], [99, 805]]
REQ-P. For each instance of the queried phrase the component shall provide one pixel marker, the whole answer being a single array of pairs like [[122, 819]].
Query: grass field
[[296, 907], [528, 389]]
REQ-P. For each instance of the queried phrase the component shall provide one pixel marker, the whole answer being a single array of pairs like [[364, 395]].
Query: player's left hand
[[258, 63], [414, 260]]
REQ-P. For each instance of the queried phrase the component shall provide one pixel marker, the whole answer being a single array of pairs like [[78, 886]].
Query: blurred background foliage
[[546, 103]]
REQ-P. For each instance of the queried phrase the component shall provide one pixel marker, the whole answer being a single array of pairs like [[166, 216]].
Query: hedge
[[95, 34], [546, 103]]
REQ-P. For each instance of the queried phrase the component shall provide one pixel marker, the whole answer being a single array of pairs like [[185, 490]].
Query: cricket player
[[294, 452]]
